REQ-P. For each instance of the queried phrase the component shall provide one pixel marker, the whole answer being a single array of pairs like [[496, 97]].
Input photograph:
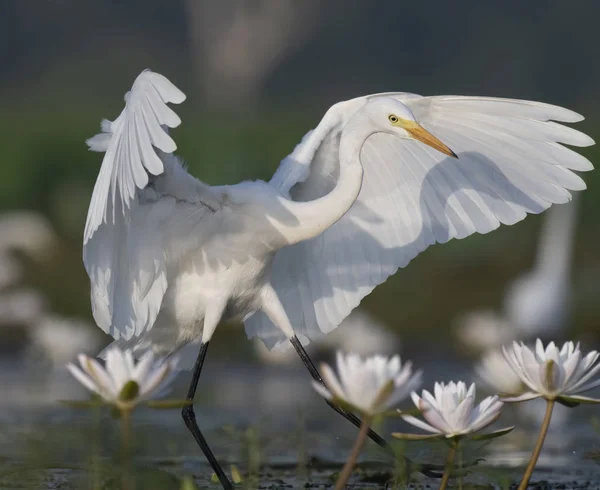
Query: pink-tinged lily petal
[[570, 367], [404, 374], [164, 387], [98, 375], [484, 420], [470, 391], [552, 353], [143, 367], [590, 385], [343, 370], [459, 418], [130, 362], [430, 399], [485, 413], [448, 403], [539, 351], [420, 424], [154, 381], [487, 402], [416, 398], [568, 349], [438, 394], [321, 390], [116, 367], [590, 360], [527, 357], [83, 378], [393, 366], [332, 382], [436, 419], [402, 391], [514, 358], [576, 386], [352, 378]]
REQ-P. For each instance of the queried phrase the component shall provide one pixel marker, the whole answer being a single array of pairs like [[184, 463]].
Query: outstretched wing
[[130, 225], [511, 162], [128, 142]]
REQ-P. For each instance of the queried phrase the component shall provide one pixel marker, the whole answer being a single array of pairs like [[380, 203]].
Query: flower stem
[[358, 445], [126, 480], [449, 464], [538, 445], [460, 465], [96, 482]]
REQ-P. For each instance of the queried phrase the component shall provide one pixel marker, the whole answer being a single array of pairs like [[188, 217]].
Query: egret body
[[363, 193]]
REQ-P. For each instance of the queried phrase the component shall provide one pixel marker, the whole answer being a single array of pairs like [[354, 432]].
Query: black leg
[[428, 470], [189, 417], [317, 377]]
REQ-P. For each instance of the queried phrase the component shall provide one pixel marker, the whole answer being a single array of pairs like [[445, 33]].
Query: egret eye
[[393, 118]]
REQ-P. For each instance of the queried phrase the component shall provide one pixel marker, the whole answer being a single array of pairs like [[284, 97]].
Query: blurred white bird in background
[[56, 340], [30, 332], [21, 307], [28, 232], [10, 270], [31, 234], [53, 341], [537, 303], [366, 191]]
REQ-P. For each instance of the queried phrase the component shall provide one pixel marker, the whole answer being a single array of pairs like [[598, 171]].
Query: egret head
[[392, 116]]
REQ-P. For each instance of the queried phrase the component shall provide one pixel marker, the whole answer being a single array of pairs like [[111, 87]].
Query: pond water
[[268, 422]]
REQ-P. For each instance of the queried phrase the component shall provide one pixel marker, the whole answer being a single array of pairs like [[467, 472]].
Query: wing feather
[[511, 162], [130, 151], [127, 260], [130, 226], [427, 107]]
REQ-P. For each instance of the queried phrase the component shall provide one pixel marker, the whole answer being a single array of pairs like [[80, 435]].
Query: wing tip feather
[[557, 113]]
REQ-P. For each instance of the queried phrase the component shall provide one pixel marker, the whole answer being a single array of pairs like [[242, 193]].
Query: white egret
[[56, 340], [28, 232], [10, 269], [538, 302], [363, 193]]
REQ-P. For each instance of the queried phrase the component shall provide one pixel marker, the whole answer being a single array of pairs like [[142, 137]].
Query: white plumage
[[363, 193]]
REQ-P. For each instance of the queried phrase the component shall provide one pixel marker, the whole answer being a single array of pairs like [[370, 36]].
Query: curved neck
[[555, 248], [314, 217]]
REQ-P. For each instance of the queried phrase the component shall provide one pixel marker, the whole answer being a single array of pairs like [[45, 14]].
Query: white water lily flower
[[552, 373], [498, 375], [124, 383], [371, 385], [452, 412]]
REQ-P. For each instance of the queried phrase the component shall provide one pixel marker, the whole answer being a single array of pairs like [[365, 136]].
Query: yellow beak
[[419, 133]]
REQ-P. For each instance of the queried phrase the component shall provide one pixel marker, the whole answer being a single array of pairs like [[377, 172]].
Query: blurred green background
[[258, 75]]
